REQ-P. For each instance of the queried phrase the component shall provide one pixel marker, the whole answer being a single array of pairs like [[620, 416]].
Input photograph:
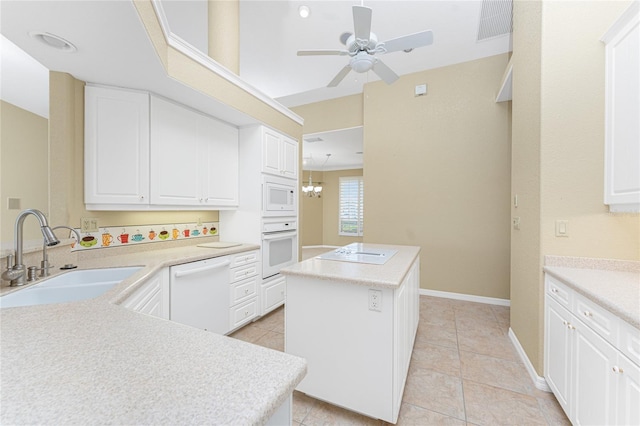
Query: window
[[350, 222]]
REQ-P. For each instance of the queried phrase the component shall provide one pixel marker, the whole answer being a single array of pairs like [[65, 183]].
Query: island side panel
[[348, 347]]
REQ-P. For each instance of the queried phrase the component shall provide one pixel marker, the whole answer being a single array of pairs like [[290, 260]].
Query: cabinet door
[[175, 155], [153, 297], [622, 128], [271, 152], [273, 294], [116, 152], [628, 397], [557, 352], [219, 155], [289, 164], [594, 383]]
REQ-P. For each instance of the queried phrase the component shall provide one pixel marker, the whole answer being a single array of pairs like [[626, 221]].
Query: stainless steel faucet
[[44, 264], [17, 273]]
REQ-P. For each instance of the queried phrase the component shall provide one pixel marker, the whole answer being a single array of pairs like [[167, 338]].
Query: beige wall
[[526, 259], [437, 174], [24, 171], [558, 146], [334, 114]]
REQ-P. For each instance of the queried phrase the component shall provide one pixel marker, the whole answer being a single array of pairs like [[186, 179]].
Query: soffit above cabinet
[[113, 48]]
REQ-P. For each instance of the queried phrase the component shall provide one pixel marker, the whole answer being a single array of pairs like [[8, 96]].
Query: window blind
[[350, 222]]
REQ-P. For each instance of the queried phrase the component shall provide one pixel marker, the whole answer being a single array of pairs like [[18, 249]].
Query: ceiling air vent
[[314, 139], [496, 19]]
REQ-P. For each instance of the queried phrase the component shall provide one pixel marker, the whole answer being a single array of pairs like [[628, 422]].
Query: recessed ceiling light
[[304, 11], [54, 41]]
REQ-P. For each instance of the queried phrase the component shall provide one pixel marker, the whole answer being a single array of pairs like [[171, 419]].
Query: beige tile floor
[[464, 371]]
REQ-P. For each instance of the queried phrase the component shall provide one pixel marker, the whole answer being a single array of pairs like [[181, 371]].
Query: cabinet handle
[[587, 314], [246, 291], [565, 323], [246, 313], [571, 327], [554, 290], [617, 369], [142, 197]]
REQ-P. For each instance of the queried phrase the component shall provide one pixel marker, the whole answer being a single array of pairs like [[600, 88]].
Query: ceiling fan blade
[[322, 52], [384, 72], [411, 41], [362, 22], [341, 75]]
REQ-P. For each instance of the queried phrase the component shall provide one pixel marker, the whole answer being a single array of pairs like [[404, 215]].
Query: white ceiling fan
[[362, 46]]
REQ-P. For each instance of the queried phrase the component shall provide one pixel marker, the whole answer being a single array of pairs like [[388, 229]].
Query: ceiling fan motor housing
[[352, 45]]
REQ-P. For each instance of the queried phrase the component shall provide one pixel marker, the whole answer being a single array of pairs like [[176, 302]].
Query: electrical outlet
[[88, 224], [375, 300]]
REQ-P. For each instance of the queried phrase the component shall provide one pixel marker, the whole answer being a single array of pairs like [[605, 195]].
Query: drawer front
[[273, 295], [241, 273], [245, 258], [558, 291], [597, 318], [244, 313], [630, 341], [243, 290]]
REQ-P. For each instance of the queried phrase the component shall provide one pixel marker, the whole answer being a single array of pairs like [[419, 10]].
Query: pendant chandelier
[[314, 190]]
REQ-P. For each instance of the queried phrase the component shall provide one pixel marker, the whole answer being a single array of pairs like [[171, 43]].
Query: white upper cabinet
[[116, 154], [279, 154], [175, 157], [143, 152], [194, 158], [622, 126], [219, 156]]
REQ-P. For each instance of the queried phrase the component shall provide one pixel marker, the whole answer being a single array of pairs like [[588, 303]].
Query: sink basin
[[69, 287]]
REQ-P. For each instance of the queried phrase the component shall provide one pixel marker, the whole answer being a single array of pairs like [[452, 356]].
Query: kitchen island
[[97, 362], [354, 320]]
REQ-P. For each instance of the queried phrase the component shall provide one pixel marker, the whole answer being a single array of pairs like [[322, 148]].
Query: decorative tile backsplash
[[115, 236]]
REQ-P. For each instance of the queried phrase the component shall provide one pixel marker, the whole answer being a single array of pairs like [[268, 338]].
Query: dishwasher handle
[[179, 274]]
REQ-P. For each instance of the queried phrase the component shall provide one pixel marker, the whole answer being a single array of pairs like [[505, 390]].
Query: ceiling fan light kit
[[362, 45]]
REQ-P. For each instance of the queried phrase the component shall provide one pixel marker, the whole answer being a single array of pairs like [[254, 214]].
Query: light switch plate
[[562, 228]]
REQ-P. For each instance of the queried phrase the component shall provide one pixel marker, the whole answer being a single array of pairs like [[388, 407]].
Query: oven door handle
[[279, 235]]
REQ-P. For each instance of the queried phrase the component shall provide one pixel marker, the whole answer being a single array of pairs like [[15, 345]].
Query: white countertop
[[96, 362], [389, 275], [616, 291]]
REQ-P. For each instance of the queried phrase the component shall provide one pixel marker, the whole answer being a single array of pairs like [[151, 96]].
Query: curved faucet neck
[[44, 227]]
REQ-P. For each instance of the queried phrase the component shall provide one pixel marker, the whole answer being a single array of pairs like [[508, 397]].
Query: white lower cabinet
[[594, 382], [272, 294], [152, 297], [244, 284]]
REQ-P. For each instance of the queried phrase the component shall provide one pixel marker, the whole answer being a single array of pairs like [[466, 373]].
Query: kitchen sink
[[69, 287]]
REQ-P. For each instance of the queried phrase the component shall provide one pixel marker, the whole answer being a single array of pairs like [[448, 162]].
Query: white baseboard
[[538, 381], [466, 297]]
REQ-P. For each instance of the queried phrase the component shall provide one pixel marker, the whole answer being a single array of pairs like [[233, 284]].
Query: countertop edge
[[563, 273]]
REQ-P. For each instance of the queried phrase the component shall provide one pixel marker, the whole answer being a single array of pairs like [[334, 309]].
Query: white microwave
[[279, 196]]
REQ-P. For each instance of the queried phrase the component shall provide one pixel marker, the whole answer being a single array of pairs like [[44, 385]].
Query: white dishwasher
[[200, 294]]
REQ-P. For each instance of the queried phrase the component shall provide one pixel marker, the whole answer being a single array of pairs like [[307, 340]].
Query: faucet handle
[[9, 262]]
